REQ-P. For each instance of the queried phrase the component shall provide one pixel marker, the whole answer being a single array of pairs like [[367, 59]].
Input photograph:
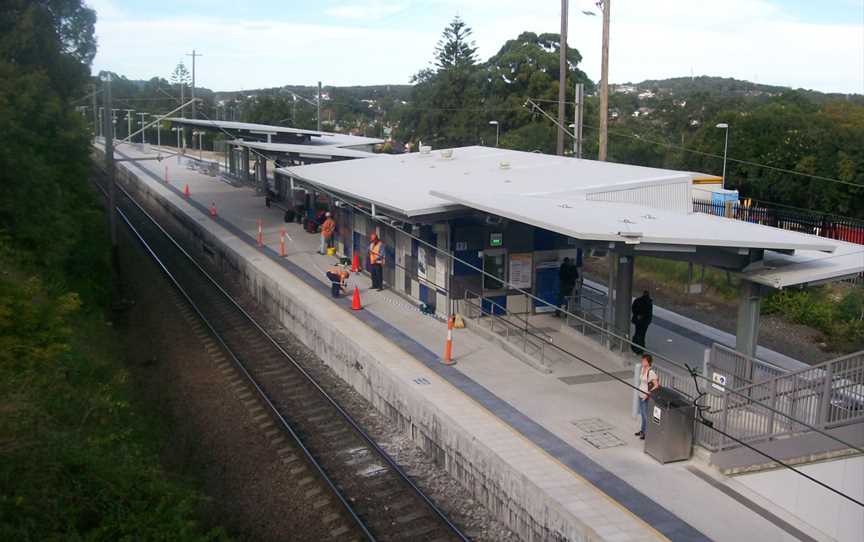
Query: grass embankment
[[78, 460], [835, 310]]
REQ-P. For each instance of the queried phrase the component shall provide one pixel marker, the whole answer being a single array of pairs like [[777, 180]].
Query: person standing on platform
[[643, 311], [568, 274], [327, 229], [376, 261], [648, 382]]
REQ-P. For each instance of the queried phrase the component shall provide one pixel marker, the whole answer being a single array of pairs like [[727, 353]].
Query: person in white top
[[648, 382]]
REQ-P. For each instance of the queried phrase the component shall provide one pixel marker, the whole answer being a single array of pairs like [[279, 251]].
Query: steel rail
[[328, 398]]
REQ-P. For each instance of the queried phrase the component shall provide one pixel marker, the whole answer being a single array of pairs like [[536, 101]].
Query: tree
[[181, 75], [454, 51]]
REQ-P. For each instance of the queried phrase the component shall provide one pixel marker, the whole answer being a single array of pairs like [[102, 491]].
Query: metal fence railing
[[825, 396], [589, 313], [739, 370], [823, 225], [514, 328]]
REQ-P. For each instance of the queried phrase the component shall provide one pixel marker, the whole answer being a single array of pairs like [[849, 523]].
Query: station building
[[508, 218]]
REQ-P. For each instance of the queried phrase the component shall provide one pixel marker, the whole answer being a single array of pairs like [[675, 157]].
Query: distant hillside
[[397, 92], [727, 87]]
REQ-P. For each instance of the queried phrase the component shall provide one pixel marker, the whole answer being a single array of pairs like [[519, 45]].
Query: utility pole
[[95, 115], [319, 106], [562, 76], [578, 119], [604, 84], [129, 120], [194, 55], [109, 165], [143, 132]]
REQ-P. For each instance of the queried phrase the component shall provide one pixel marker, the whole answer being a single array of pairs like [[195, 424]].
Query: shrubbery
[[837, 312]]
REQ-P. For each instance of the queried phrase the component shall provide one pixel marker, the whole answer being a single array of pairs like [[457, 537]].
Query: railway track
[[374, 498]]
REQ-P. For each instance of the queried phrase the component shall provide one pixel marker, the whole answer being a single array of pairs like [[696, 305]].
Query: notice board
[[520, 270]]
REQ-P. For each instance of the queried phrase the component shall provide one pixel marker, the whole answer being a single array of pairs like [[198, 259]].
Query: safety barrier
[[739, 370], [513, 327], [589, 313]]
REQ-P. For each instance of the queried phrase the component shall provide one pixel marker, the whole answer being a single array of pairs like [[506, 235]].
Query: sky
[[268, 43]]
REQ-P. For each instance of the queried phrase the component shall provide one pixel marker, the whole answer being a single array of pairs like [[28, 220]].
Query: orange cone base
[[213, 212], [186, 191], [355, 302]]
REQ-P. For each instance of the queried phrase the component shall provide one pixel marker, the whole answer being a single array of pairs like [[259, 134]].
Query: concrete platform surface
[[563, 438]]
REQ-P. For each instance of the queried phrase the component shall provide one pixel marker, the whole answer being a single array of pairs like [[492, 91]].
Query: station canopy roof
[[551, 192], [313, 137], [401, 183], [321, 152]]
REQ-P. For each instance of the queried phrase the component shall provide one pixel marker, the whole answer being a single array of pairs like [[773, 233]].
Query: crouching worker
[[338, 277]]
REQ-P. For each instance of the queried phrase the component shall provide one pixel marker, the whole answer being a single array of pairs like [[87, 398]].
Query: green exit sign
[[496, 239]]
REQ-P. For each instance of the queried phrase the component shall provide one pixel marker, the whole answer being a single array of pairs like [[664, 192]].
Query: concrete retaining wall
[[505, 491]]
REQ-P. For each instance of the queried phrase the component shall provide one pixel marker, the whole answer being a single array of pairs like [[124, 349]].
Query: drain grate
[[603, 440], [592, 425]]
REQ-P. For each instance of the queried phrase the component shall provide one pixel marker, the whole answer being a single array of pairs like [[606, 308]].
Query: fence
[[823, 225], [590, 313], [512, 327], [825, 396], [737, 369]]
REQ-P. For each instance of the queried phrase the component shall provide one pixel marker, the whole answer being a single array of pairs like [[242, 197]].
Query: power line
[[624, 340]]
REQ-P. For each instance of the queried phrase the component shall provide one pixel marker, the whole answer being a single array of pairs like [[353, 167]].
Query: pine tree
[[453, 50]]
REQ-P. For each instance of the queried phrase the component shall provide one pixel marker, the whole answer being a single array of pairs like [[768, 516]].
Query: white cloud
[[747, 39], [366, 11]]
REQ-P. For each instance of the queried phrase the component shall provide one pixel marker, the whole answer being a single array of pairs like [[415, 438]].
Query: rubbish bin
[[669, 434]]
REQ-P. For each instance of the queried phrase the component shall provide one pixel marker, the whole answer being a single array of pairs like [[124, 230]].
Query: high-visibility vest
[[327, 228], [375, 252]]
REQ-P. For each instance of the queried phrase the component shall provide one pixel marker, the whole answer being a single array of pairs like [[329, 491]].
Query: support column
[[623, 293], [263, 172], [244, 165], [747, 330], [232, 161]]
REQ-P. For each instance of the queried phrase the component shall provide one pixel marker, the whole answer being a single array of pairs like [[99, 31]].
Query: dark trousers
[[335, 284], [639, 338], [377, 275]]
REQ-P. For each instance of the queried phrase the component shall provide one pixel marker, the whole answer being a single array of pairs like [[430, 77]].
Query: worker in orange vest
[[338, 277], [327, 229], [376, 261]]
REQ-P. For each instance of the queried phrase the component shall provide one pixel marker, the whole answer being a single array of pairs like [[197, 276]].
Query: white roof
[[809, 267], [326, 138], [246, 126], [402, 182], [634, 224], [317, 151], [345, 140]]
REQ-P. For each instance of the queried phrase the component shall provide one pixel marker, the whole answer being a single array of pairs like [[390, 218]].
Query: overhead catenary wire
[[624, 340], [531, 296]]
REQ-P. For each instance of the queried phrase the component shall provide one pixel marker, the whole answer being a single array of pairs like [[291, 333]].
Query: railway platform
[[551, 453]]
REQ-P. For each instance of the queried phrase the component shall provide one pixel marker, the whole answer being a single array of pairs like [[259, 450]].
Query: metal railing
[[738, 369], [513, 327], [825, 396], [589, 313]]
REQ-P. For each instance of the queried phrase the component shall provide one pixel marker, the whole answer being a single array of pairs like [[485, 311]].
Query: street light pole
[[495, 122], [143, 132], [604, 84], [562, 76], [725, 127], [319, 106]]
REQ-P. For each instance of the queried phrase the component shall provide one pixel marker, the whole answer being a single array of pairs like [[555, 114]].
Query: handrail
[[525, 328]]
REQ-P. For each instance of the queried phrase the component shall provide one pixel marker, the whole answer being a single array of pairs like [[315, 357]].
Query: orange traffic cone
[[355, 303], [186, 191], [448, 346], [282, 242], [260, 233], [213, 212], [355, 263]]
